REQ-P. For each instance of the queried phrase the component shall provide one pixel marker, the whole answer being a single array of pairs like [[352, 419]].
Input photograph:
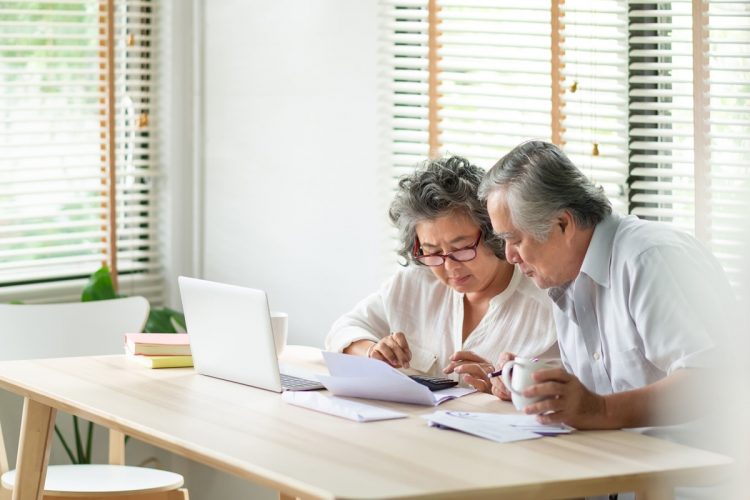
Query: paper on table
[[360, 377], [496, 427], [352, 410]]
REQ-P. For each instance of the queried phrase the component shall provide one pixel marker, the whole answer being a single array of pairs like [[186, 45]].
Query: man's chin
[[541, 283]]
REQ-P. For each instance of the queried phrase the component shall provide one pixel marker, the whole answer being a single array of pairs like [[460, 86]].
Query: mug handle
[[507, 368]]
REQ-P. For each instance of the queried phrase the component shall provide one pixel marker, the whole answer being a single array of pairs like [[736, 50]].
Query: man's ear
[[566, 224]]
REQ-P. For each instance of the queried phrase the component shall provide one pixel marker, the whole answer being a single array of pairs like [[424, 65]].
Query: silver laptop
[[231, 336]]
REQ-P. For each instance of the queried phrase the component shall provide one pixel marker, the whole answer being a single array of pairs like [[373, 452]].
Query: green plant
[[160, 319]]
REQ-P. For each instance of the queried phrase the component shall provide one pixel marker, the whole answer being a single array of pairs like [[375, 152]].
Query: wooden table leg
[[116, 447], [33, 450]]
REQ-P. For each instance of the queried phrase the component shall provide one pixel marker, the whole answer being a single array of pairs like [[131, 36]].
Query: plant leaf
[[65, 444], [99, 286], [89, 442], [179, 319], [160, 321], [79, 444]]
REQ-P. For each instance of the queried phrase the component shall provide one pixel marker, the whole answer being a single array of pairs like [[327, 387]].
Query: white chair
[[82, 329]]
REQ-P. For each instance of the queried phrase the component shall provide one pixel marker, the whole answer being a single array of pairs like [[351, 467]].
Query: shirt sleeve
[[678, 299], [367, 321]]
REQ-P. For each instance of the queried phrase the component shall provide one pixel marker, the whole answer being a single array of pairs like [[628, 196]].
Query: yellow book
[[162, 361]]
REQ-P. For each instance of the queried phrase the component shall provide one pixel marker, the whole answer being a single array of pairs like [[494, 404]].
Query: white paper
[[360, 377], [495, 427], [352, 410]]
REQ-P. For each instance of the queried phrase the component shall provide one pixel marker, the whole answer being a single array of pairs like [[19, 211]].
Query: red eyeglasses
[[438, 259]]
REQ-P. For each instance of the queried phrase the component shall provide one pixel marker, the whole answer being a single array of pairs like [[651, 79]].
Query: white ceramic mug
[[518, 375], [280, 327]]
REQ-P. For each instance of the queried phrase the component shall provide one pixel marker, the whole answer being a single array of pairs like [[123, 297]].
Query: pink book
[[170, 344]]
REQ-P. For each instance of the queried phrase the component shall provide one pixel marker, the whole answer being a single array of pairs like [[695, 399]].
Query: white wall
[[291, 198], [271, 156]]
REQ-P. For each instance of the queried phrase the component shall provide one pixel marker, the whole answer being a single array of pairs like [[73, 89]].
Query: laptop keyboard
[[292, 383]]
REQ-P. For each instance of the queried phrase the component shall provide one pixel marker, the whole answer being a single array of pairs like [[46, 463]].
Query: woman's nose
[[450, 263]]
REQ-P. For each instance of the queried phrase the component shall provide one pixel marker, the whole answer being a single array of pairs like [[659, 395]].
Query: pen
[[499, 372]]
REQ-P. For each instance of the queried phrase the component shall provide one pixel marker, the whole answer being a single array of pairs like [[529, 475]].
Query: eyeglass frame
[[418, 257]]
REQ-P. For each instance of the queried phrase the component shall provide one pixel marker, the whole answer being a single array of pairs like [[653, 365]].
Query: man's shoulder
[[640, 243], [634, 236]]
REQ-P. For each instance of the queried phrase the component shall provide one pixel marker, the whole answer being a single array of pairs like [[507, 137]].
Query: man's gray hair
[[539, 182], [435, 189]]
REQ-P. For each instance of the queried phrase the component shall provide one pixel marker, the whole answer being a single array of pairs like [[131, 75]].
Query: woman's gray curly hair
[[437, 188]]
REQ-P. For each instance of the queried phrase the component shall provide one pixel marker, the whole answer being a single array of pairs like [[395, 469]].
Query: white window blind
[[55, 216], [403, 83], [727, 114], [690, 120], [494, 64], [594, 102], [649, 97], [495, 85], [661, 120], [494, 70]]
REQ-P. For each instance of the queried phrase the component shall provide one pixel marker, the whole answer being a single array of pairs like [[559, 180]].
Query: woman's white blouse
[[430, 314]]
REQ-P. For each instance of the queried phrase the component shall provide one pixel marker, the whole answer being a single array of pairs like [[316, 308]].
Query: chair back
[[72, 329], [34, 331]]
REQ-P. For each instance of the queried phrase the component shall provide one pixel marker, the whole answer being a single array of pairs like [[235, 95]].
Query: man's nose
[[512, 256]]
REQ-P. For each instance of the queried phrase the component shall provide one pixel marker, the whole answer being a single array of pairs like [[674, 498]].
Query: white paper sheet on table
[[359, 412], [360, 377], [496, 427]]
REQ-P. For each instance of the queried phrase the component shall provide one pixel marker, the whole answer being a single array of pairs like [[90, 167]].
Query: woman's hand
[[498, 388], [393, 349], [473, 368]]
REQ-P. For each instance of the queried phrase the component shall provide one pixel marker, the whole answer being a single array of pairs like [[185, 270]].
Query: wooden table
[[252, 433]]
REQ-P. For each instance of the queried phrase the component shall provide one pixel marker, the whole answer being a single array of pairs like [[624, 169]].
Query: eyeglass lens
[[464, 255]]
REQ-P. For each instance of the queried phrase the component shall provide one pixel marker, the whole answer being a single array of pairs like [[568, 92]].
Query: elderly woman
[[457, 304]]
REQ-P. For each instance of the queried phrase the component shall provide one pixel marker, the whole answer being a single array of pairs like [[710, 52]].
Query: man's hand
[[474, 369], [566, 401]]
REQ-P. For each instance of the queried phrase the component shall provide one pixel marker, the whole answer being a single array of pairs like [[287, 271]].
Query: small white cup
[[518, 375], [280, 327]]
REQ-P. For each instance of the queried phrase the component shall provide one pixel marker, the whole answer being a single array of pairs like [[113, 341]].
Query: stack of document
[[360, 377], [495, 427]]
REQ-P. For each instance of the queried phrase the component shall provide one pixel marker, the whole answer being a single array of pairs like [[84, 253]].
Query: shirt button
[[597, 356]]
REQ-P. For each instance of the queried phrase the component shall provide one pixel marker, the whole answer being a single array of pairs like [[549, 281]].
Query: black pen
[[495, 374]]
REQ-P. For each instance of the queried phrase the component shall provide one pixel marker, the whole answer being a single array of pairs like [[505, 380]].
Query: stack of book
[[159, 350]]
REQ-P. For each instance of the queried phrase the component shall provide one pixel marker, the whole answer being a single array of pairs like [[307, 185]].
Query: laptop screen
[[230, 332]]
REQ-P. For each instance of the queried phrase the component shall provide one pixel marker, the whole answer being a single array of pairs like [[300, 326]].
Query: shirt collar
[[596, 263], [562, 298]]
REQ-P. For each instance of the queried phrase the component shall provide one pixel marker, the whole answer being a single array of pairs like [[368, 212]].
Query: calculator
[[434, 383]]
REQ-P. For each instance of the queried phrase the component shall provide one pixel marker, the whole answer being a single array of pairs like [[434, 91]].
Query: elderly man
[[640, 307]]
